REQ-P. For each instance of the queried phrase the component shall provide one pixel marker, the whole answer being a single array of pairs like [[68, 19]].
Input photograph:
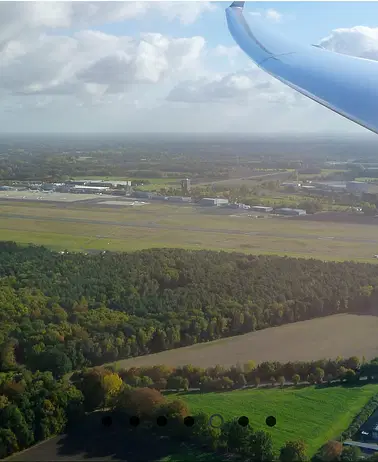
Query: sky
[[134, 67]]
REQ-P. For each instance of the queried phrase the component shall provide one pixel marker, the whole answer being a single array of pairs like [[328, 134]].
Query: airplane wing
[[345, 84]]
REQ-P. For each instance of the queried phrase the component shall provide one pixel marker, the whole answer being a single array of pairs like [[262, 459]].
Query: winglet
[[237, 5]]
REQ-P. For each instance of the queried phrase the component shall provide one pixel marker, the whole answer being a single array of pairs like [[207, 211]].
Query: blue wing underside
[[344, 84]]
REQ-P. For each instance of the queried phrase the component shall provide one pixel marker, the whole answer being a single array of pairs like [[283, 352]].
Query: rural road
[[153, 225]]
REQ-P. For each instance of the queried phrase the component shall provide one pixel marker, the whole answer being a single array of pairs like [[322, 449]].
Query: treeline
[[61, 312], [216, 378]]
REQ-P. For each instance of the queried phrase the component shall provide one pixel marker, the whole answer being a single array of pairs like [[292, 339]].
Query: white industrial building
[[89, 189], [261, 208], [210, 201], [178, 199], [290, 212]]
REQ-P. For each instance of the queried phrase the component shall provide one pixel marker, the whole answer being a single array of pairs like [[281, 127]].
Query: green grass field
[[314, 415], [70, 226]]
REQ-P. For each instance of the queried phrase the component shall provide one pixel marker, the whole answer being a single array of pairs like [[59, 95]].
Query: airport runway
[[153, 225]]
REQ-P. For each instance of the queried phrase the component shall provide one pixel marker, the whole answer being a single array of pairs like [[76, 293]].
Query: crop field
[[315, 415], [339, 335], [94, 226]]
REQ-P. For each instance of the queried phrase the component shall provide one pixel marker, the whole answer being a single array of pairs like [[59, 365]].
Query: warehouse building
[[210, 201], [178, 199], [261, 208], [290, 212], [89, 189]]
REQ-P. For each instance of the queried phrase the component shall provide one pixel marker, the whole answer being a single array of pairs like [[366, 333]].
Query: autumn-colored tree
[[331, 451], [112, 384], [249, 366], [142, 402], [160, 384]]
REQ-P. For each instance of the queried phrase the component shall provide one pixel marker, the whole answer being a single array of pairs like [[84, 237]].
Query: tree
[[112, 384], [176, 409], [235, 438], [281, 381], [319, 374], [54, 360], [178, 383], [142, 402], [93, 388], [331, 451], [249, 366], [293, 451], [296, 379], [261, 447], [350, 454], [203, 433], [12, 418], [350, 376], [8, 442]]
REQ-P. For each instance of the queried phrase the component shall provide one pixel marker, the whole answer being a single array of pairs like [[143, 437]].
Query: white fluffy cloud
[[105, 82], [357, 41], [271, 14]]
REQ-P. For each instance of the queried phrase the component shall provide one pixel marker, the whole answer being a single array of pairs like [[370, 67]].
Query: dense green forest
[[34, 407], [61, 312]]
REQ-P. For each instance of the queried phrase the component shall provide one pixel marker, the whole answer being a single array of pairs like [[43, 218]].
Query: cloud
[[236, 88], [93, 62], [22, 17], [270, 14], [273, 15], [90, 80], [185, 12], [357, 41], [229, 52]]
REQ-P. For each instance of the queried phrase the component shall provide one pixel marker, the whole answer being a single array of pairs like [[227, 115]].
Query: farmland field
[[339, 335], [95, 226], [315, 415]]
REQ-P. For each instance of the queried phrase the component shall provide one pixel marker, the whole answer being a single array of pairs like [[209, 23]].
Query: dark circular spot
[[134, 421], [106, 421], [243, 421], [189, 421], [161, 421], [271, 421]]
